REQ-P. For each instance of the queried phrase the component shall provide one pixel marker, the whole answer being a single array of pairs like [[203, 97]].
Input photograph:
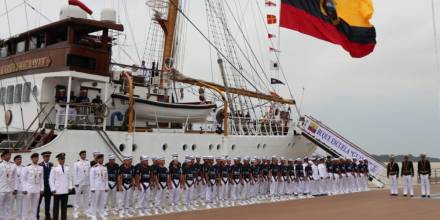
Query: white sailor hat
[[218, 158], [290, 160], [283, 158], [198, 157], [160, 158], [236, 158], [187, 157], [247, 158], [96, 153], [274, 157], [226, 156], [298, 159], [128, 157], [153, 158], [253, 160], [175, 157], [111, 157], [143, 158]]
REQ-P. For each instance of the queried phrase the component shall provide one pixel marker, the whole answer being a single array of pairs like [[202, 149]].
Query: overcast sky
[[387, 102]]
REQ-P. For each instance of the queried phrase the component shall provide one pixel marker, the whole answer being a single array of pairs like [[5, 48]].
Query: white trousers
[[160, 197], [408, 185], [393, 185], [99, 198], [112, 203], [174, 193], [82, 198], [223, 191], [235, 191], [189, 194], [274, 188], [255, 189], [264, 185], [19, 205], [124, 199], [336, 184], [425, 185], [246, 190], [30, 204], [300, 187], [144, 198], [211, 193], [6, 203]]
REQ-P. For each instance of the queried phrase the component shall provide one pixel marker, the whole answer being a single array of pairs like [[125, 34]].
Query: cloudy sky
[[387, 102]]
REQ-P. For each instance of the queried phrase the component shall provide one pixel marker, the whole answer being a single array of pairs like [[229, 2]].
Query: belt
[[176, 184], [189, 183], [224, 180], [145, 186]]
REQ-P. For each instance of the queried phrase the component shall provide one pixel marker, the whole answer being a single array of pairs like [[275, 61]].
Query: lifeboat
[[149, 110]]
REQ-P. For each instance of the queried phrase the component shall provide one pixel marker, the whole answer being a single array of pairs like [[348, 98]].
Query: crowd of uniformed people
[[152, 187]]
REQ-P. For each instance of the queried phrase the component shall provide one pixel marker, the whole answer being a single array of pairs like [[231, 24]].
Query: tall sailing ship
[[61, 90]]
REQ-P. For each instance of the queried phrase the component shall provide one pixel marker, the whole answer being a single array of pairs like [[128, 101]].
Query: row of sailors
[[146, 189]]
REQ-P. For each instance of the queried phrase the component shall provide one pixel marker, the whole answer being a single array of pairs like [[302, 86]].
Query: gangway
[[337, 146]]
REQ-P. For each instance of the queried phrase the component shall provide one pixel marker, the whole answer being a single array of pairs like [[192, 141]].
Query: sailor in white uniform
[[61, 184], [99, 188], [8, 185], [314, 183], [32, 180], [81, 178], [20, 195]]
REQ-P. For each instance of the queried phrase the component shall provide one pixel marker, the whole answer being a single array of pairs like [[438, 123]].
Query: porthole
[[164, 147], [193, 147], [219, 146], [264, 146], [134, 147], [122, 147], [185, 147], [258, 146], [233, 147], [211, 146]]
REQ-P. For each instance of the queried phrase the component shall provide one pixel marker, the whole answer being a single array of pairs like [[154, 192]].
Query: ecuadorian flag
[[343, 22]]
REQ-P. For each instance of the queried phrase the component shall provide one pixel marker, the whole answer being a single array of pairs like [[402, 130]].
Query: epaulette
[[96, 165], [29, 164]]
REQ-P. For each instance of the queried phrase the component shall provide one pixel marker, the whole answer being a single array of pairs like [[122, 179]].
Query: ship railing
[[265, 127], [80, 116]]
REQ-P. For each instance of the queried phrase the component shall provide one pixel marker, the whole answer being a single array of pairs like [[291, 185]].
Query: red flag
[[269, 35], [271, 49], [271, 19], [270, 3], [81, 5]]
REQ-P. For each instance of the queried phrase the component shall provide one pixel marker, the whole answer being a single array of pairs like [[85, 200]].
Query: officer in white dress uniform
[[81, 178], [8, 185], [61, 184], [324, 178], [99, 188], [33, 186], [314, 183], [19, 195]]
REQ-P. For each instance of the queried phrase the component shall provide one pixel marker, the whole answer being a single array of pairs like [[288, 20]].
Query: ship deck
[[370, 205]]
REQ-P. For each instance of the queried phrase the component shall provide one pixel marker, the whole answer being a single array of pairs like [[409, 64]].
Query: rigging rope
[[212, 44]]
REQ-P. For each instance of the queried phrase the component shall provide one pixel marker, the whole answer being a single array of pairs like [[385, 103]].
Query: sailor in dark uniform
[[256, 179], [126, 185], [337, 176], [274, 177], [290, 186], [265, 184], [144, 179], [199, 181], [47, 194], [236, 180], [424, 173], [113, 172], [343, 185], [407, 176], [223, 171], [188, 184], [361, 181], [284, 183], [366, 174], [175, 188], [163, 182], [350, 172], [308, 179], [331, 181], [299, 173], [393, 175], [211, 179], [247, 178]]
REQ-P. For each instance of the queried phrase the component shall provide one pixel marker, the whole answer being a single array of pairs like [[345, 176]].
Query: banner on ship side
[[342, 22], [343, 147]]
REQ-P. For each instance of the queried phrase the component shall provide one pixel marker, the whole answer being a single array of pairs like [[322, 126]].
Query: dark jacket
[[46, 174], [424, 167]]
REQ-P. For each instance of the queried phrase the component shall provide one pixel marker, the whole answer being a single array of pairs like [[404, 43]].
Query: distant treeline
[[386, 157]]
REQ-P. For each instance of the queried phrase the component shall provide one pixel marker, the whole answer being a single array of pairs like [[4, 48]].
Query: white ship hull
[[152, 144]]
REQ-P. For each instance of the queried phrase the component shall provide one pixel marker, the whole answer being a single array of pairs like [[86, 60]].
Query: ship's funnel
[[70, 11]]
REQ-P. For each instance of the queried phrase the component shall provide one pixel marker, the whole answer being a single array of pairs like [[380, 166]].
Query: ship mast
[[168, 26]]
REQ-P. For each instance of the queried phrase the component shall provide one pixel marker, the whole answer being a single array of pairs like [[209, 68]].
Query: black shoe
[[423, 196], [412, 195], [429, 196], [404, 195]]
